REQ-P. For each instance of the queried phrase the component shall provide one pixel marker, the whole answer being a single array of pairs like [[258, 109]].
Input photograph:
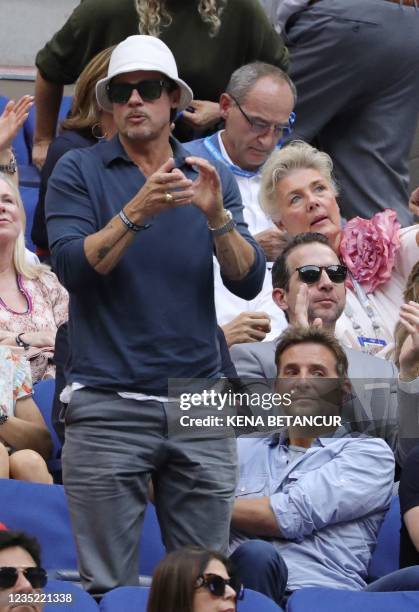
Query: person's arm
[[356, 482], [27, 428], [105, 248], [247, 327], [255, 517], [48, 98], [242, 263], [408, 384], [39, 339], [12, 119], [203, 114], [411, 520]]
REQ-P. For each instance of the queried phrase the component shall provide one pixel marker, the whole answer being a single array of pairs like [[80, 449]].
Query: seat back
[[43, 398], [333, 600], [385, 558], [125, 599], [68, 597], [41, 511]]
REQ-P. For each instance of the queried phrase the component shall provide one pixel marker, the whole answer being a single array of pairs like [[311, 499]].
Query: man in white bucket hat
[[133, 223]]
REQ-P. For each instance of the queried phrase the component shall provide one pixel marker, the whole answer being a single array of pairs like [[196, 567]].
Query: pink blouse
[[47, 310]]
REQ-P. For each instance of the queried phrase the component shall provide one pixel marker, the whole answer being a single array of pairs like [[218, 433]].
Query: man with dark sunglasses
[[20, 572], [308, 285], [257, 111], [133, 224]]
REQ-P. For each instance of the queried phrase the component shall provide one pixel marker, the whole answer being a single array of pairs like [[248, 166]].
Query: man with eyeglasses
[[308, 285], [133, 224], [21, 573], [257, 110]]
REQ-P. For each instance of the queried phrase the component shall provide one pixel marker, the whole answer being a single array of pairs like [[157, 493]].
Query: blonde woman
[[209, 39], [299, 194], [33, 304]]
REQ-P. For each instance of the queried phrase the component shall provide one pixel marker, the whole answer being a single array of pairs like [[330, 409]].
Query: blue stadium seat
[[80, 600], [385, 558], [333, 600], [43, 398], [127, 599], [42, 511], [254, 601]]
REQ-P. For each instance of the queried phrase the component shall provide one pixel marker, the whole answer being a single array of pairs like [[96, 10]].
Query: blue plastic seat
[[43, 398], [41, 510], [334, 600], [127, 599], [385, 558], [80, 601]]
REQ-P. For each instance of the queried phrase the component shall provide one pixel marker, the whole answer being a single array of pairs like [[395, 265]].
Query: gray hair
[[244, 79], [298, 155]]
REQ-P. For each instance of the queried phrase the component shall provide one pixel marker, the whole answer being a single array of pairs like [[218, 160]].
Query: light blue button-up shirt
[[329, 503]]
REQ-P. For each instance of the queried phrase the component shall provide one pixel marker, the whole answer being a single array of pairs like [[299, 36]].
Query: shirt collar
[[280, 438], [112, 150]]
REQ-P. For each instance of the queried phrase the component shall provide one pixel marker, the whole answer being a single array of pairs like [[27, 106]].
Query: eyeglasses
[[217, 585], [311, 274], [260, 127], [149, 90], [37, 576]]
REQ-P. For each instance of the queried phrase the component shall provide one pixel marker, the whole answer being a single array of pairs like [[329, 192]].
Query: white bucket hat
[[142, 52]]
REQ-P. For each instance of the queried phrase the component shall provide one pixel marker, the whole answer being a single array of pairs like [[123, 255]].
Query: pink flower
[[369, 247]]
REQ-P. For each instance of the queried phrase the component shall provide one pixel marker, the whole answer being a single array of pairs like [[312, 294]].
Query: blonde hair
[[153, 15], [298, 155], [20, 260], [411, 293], [85, 111]]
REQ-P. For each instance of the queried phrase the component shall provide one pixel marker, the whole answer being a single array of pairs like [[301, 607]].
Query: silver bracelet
[[130, 225]]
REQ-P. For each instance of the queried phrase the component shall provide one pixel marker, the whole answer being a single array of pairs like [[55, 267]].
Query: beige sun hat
[[141, 52]]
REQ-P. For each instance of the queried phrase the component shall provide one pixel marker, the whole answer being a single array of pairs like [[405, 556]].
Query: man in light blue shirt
[[308, 509]]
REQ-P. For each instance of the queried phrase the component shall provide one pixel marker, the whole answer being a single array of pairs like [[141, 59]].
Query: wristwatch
[[9, 168], [3, 416], [224, 229]]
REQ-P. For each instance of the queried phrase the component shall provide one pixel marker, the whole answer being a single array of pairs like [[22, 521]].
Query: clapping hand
[[12, 119], [409, 354]]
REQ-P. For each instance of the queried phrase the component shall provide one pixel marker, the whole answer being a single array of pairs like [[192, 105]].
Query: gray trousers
[[112, 446], [356, 67]]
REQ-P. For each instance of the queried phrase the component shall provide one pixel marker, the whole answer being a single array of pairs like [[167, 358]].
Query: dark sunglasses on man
[[311, 274], [36, 576], [216, 585], [149, 90]]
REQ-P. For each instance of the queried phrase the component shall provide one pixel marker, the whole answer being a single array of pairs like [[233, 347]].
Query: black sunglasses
[[37, 576], [217, 585], [311, 274], [120, 93]]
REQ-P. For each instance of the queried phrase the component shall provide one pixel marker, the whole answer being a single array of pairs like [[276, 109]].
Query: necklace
[[25, 294]]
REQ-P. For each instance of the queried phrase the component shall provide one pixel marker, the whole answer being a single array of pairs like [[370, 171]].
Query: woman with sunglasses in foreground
[[298, 193], [194, 580], [21, 574]]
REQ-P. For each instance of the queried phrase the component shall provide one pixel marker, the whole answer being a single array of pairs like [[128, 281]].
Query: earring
[[97, 132]]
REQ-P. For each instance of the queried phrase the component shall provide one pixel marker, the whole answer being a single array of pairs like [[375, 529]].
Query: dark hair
[[302, 335], [9, 539], [280, 271], [174, 578]]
